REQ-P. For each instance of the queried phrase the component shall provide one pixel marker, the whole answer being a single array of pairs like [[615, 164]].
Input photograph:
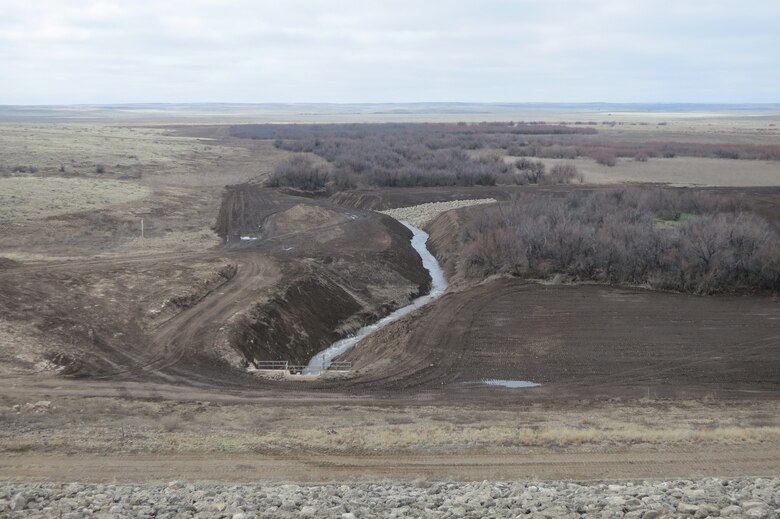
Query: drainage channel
[[323, 359]]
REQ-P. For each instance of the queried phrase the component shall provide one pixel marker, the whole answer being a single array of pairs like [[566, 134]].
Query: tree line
[[400, 155], [438, 154], [671, 240]]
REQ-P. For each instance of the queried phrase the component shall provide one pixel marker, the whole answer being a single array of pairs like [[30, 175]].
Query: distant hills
[[278, 112]]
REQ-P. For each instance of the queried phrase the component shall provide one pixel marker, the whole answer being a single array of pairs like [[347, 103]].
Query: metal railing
[[272, 364], [297, 368]]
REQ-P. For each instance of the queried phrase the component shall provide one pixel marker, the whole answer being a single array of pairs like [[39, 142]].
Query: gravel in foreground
[[752, 498]]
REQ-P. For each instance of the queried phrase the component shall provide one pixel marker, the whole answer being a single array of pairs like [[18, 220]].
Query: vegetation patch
[[401, 155], [426, 154], [673, 240], [27, 198], [673, 221]]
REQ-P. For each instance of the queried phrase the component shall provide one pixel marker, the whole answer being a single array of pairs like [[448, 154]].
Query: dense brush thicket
[[688, 242], [427, 154], [299, 172], [404, 155], [606, 151]]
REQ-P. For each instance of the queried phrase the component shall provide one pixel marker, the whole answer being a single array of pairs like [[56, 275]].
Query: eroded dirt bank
[[311, 272], [352, 267]]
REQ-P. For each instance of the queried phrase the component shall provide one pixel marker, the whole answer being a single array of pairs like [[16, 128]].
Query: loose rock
[[757, 498]]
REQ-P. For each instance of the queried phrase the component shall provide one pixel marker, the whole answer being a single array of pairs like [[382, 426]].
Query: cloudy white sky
[[88, 51]]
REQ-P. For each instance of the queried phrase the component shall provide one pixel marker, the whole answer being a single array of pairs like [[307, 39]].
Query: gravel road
[[420, 215], [743, 497]]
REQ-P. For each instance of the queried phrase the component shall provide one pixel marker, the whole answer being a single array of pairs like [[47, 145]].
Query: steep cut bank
[[438, 285], [313, 310], [444, 231], [344, 268]]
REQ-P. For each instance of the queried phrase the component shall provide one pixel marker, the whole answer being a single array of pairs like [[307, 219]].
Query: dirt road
[[306, 467]]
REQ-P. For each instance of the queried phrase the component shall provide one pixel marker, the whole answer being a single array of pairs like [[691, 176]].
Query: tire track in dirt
[[612, 345], [191, 330], [318, 467], [112, 262], [426, 359]]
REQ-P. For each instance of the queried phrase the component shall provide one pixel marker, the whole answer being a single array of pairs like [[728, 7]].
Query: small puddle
[[322, 360], [514, 384]]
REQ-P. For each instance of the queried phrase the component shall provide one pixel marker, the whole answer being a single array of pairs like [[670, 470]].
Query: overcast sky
[[84, 51]]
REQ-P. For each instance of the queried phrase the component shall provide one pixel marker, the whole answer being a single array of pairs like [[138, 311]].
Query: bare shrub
[[100, 168], [428, 154], [531, 172], [406, 155], [564, 174], [665, 239], [570, 146], [170, 423], [299, 172], [604, 157], [25, 169], [525, 164]]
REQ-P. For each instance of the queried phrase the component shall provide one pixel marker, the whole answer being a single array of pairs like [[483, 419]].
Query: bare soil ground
[[142, 315], [139, 344], [581, 340], [302, 436], [319, 468]]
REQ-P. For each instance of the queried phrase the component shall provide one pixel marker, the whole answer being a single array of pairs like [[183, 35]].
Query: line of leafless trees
[[687, 242], [606, 151], [535, 172], [522, 139], [300, 172], [400, 155], [435, 154]]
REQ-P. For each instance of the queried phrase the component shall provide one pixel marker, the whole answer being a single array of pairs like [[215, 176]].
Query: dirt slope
[[312, 272]]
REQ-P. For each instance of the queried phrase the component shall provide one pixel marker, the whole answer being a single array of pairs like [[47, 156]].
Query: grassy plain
[[26, 198], [81, 189], [678, 171], [108, 425]]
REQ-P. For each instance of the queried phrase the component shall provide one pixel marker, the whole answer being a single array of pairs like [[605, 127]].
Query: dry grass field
[[26, 198], [81, 189], [678, 171], [109, 425]]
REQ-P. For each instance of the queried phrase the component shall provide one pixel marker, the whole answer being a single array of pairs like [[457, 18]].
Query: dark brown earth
[[582, 340], [301, 284], [317, 270]]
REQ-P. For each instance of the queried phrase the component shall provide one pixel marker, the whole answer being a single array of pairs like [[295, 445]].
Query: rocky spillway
[[756, 498]]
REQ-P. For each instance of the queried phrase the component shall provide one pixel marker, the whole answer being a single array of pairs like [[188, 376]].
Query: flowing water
[[323, 359]]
